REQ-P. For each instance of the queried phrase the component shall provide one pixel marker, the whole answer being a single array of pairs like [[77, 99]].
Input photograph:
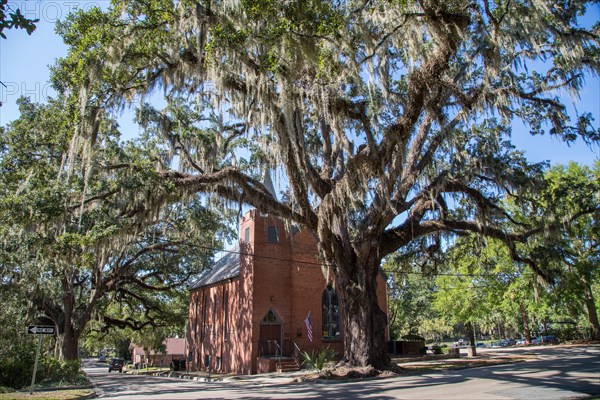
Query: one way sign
[[41, 329]]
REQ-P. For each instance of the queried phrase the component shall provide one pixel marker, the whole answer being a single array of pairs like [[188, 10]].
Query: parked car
[[102, 358], [480, 344], [521, 342], [504, 343], [548, 339], [116, 364]]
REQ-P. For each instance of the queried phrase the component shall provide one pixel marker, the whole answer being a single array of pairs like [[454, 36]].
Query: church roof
[[268, 182], [226, 267]]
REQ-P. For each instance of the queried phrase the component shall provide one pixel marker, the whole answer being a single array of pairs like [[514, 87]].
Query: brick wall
[[285, 277], [218, 331]]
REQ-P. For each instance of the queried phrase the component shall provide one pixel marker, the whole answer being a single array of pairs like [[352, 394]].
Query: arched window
[[270, 318], [331, 314]]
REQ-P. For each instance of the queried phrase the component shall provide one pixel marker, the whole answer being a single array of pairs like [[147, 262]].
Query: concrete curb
[[97, 392], [56, 388], [92, 395]]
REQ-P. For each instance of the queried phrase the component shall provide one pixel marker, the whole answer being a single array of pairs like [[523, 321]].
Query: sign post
[[35, 364], [38, 330]]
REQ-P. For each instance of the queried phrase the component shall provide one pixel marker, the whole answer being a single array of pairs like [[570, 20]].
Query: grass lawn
[[50, 395]]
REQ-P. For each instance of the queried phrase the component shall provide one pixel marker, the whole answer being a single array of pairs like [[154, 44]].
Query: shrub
[[71, 368], [318, 360], [436, 349], [48, 368], [16, 366], [15, 371], [52, 372], [411, 337]]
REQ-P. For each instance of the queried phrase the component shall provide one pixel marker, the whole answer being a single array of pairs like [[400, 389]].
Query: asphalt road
[[557, 373]]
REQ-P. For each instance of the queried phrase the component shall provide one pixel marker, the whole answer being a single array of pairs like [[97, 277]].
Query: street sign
[[38, 330], [41, 329]]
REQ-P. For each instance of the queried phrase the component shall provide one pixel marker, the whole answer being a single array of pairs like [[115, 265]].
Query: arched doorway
[[270, 335]]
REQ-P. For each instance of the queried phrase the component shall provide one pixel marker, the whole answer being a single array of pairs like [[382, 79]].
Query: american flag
[[308, 327]]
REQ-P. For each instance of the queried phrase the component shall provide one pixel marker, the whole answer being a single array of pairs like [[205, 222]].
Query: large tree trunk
[[69, 321], [364, 323], [590, 305], [356, 266], [69, 346], [525, 320], [69, 334], [472, 349]]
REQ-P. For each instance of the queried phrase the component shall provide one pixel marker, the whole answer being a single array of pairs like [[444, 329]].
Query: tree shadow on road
[[557, 376]]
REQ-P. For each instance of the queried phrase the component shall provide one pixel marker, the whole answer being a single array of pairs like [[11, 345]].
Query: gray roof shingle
[[226, 267]]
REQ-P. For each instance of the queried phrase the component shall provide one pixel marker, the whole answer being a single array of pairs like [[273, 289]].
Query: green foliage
[[440, 349], [71, 237], [410, 296], [480, 282], [152, 339], [52, 372], [16, 365], [413, 338], [569, 208], [318, 360], [49, 369], [13, 19]]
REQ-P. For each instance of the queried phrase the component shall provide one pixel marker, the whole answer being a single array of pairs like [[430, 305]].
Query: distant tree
[[569, 207], [483, 287], [410, 304], [388, 121], [153, 343], [462, 292], [58, 252], [411, 290]]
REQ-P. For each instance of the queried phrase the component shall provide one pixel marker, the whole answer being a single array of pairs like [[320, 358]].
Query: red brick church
[[248, 313]]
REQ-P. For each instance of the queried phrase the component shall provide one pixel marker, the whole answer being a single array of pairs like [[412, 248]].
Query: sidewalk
[[272, 378], [483, 358], [410, 365]]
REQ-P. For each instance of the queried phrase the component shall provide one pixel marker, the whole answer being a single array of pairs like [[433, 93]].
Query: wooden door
[[270, 339]]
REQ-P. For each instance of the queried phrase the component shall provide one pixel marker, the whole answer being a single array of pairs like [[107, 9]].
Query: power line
[[462, 275], [395, 273]]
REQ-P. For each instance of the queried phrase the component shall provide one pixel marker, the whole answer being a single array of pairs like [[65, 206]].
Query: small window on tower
[[272, 234], [247, 235]]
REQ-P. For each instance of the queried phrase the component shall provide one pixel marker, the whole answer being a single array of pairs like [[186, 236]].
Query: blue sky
[[24, 62]]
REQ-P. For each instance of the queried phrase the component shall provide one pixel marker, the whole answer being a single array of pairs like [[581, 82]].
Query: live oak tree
[[71, 257], [387, 121]]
